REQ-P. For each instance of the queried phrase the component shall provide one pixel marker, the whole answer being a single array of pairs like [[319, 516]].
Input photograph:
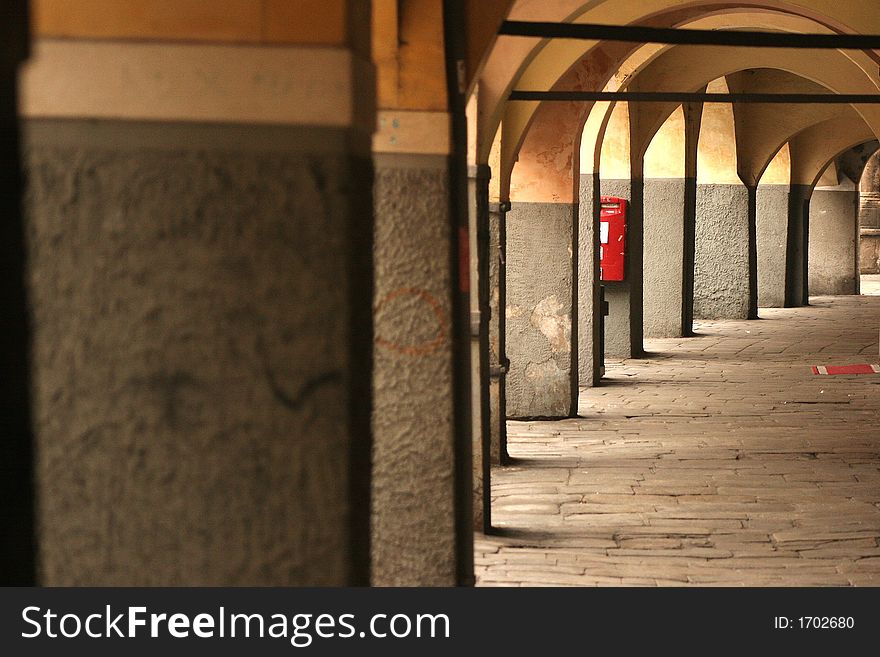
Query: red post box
[[612, 232]]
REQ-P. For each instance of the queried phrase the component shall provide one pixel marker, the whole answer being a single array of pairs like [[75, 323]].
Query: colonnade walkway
[[717, 460]]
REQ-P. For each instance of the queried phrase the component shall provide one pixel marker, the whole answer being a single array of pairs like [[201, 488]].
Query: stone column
[[664, 242], [833, 243], [413, 460], [722, 277], [202, 285], [589, 357], [541, 291], [772, 221], [797, 238]]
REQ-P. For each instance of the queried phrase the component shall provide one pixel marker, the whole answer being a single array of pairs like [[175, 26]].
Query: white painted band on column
[[189, 82], [415, 132]]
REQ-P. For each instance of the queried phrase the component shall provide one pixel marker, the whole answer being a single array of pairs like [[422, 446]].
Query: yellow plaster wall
[[614, 162], [779, 170], [716, 156], [665, 157]]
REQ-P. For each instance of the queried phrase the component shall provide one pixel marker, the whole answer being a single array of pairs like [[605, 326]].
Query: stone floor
[[718, 460], [870, 284]]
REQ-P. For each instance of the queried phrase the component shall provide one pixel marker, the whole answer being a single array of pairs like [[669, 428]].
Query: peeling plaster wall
[[833, 242], [664, 245], [413, 462], [721, 276], [773, 201], [193, 298], [539, 310]]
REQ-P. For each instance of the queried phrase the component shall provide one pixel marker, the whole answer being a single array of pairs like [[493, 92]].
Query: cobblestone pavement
[[717, 460]]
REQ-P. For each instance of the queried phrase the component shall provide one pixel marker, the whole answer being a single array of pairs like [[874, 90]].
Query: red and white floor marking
[[846, 369]]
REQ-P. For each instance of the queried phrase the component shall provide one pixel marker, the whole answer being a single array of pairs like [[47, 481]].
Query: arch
[[678, 68], [512, 58]]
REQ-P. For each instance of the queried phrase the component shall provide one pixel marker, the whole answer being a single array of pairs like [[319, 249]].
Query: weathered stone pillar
[[772, 221], [413, 459], [664, 243], [202, 286], [833, 242], [722, 277], [541, 287]]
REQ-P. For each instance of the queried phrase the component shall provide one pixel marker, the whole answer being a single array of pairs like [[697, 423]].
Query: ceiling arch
[[511, 58], [546, 135], [813, 149]]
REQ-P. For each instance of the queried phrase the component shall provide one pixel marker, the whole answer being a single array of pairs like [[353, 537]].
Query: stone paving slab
[[718, 460]]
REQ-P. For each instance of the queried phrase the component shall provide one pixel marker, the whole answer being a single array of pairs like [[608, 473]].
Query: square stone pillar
[[722, 276], [541, 323], [833, 242]]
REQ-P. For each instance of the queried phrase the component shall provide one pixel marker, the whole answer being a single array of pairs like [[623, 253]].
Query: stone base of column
[[773, 221], [721, 272], [833, 246], [664, 243], [540, 256]]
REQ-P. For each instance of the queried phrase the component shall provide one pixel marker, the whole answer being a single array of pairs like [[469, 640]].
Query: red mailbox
[[612, 225]]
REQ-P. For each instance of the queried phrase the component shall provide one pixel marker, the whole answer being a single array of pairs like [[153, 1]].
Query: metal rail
[[675, 36], [680, 97]]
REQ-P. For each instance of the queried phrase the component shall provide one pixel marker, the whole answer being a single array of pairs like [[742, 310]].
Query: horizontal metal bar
[[674, 36], [676, 97]]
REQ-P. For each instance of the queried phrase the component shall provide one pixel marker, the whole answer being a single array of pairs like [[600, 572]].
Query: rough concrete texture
[[413, 511], [192, 371], [664, 244], [721, 272], [539, 310], [869, 253], [587, 338], [618, 328], [772, 240], [833, 242]]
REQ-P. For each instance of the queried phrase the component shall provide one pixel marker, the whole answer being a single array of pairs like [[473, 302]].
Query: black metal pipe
[[503, 209], [686, 37], [456, 82], [685, 97], [484, 298]]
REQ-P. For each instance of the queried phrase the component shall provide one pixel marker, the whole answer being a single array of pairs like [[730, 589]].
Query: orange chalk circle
[[437, 310]]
